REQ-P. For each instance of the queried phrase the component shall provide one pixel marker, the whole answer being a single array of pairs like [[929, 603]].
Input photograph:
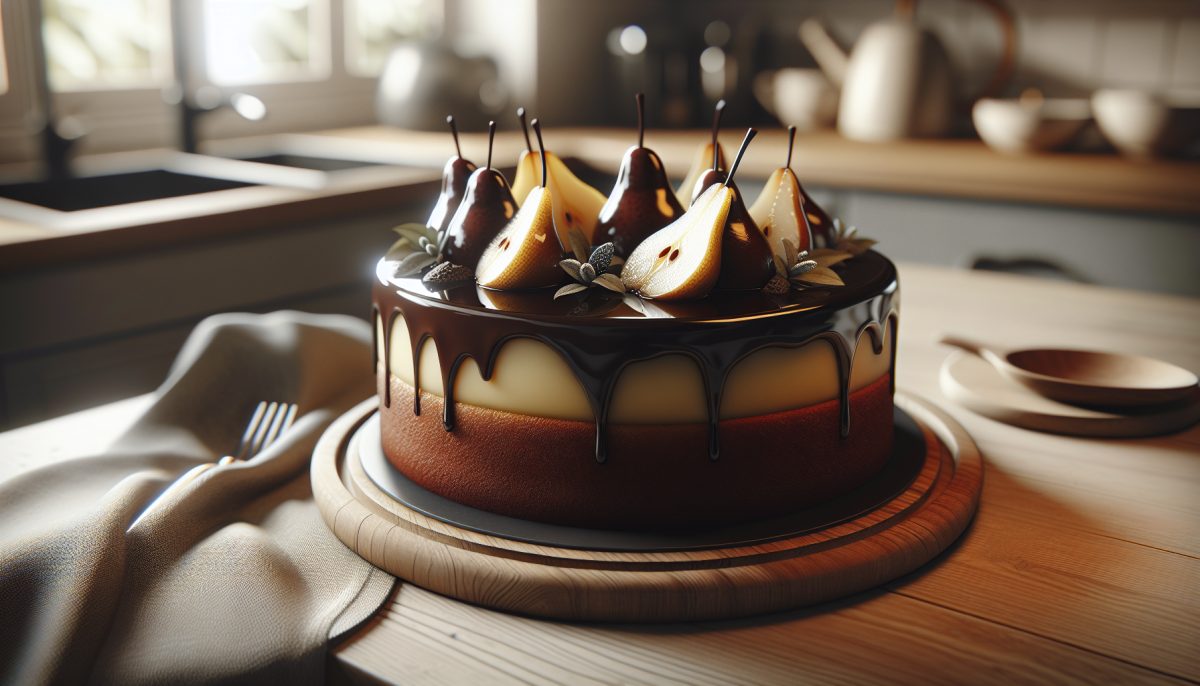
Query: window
[[312, 62], [255, 41], [374, 26], [114, 44]]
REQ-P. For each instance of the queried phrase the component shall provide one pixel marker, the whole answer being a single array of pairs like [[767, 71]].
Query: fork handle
[[171, 494]]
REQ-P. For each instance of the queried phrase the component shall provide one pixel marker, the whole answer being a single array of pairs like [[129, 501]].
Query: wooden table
[[1081, 565]]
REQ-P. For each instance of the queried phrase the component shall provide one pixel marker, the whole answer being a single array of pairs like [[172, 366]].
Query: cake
[[654, 392]]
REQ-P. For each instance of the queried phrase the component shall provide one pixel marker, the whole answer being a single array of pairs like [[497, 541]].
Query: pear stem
[[641, 110], [537, 128], [454, 133], [524, 129], [717, 112], [750, 134], [791, 144], [491, 138]]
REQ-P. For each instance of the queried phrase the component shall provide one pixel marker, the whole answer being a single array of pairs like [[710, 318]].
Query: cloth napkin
[[240, 581]]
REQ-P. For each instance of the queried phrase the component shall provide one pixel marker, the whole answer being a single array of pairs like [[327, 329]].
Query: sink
[[90, 192], [324, 164]]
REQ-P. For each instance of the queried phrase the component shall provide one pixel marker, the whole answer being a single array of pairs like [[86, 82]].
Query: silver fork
[[269, 421]]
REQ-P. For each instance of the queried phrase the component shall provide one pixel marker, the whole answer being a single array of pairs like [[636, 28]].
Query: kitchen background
[[96, 301]]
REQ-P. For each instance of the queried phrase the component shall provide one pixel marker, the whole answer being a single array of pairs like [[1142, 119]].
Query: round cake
[[651, 390]]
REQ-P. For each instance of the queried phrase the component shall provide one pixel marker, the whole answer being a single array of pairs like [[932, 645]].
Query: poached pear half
[[576, 204], [682, 261], [779, 209], [526, 253], [708, 156]]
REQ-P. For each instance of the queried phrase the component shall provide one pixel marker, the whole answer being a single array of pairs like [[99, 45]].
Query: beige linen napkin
[[239, 581]]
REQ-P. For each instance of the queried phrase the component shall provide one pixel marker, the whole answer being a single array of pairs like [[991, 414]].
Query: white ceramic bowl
[[1021, 126], [1144, 124], [803, 98]]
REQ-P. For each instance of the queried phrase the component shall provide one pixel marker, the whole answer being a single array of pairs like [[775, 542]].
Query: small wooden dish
[[870, 548], [981, 388], [1087, 377]]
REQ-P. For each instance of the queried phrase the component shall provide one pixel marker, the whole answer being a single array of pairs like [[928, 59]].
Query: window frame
[[139, 118]]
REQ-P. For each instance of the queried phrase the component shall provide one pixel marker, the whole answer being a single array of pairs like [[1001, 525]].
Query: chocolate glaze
[[599, 333]]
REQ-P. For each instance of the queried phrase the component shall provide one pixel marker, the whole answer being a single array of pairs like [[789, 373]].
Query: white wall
[[1067, 47]]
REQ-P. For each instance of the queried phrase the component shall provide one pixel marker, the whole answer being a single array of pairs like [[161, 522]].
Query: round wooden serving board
[[849, 556]]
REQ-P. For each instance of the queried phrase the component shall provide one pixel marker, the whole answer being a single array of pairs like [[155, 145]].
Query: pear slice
[[525, 254], [526, 176], [780, 210], [529, 168], [779, 213], [709, 156], [683, 259], [576, 204]]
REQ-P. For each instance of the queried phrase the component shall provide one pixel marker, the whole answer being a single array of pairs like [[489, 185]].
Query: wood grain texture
[[547, 581], [871, 638], [1080, 567], [1043, 588]]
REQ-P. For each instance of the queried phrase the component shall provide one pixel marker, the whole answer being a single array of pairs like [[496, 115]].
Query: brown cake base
[[656, 477]]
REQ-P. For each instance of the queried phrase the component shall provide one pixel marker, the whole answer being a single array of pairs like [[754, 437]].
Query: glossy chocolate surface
[[641, 202], [599, 333]]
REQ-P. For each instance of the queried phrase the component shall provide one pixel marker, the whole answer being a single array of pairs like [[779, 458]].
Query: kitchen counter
[[941, 168], [1081, 565], [963, 168]]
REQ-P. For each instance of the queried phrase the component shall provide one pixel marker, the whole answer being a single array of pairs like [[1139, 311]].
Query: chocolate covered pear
[[747, 262], [819, 222], [526, 253], [455, 175], [487, 207], [779, 209], [714, 245], [642, 201]]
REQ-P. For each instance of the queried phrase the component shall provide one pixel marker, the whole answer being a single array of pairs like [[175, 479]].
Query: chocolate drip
[[597, 343]]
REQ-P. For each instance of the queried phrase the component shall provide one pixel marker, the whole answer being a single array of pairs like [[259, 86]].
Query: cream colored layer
[[531, 378]]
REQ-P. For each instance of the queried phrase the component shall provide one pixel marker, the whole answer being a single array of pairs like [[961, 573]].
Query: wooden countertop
[[1081, 566], [949, 168], [954, 168]]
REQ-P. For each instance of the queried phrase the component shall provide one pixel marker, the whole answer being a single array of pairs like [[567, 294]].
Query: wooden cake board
[[870, 548]]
